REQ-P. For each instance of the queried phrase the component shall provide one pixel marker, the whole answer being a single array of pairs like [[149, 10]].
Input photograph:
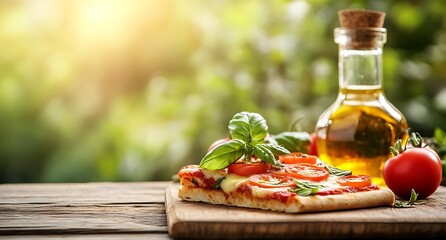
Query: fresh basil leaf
[[336, 171], [271, 140], [249, 152], [307, 184], [303, 191], [306, 188], [277, 149], [293, 141], [223, 155], [249, 127], [262, 151]]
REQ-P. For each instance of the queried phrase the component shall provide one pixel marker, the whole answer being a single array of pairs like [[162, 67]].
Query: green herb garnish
[[305, 188], [248, 132], [336, 171], [407, 204], [223, 155]]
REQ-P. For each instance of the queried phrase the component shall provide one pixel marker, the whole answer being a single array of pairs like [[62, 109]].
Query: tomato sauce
[[208, 183], [244, 189], [283, 196], [194, 173], [190, 171]]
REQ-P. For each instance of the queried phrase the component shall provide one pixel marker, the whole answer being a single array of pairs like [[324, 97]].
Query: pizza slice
[[251, 169]]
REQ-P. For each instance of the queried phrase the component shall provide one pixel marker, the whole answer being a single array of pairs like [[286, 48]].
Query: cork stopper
[[361, 28], [359, 18]]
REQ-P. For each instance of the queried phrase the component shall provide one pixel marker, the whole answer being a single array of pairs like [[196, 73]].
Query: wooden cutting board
[[206, 221]]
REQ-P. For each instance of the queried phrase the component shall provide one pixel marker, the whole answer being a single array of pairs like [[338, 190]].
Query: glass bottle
[[356, 132]]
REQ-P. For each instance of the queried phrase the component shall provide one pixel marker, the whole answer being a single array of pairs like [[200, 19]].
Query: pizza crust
[[367, 199], [381, 197]]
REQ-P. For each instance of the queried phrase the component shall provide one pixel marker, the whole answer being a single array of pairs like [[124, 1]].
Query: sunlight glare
[[103, 22]]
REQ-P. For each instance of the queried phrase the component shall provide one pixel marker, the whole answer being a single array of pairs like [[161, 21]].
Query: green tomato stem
[[394, 151]]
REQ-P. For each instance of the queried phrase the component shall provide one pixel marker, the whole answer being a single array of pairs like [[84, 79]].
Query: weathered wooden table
[[138, 211], [83, 211]]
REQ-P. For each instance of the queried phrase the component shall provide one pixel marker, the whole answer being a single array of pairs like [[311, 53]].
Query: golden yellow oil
[[357, 132]]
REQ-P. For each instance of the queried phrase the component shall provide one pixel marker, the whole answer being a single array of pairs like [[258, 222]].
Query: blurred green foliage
[[97, 90]]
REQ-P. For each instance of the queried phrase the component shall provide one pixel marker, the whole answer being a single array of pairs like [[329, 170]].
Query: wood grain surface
[[130, 210], [137, 211], [201, 220]]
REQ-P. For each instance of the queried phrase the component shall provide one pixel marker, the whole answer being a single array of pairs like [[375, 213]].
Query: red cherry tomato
[[306, 171], [357, 181], [298, 157], [218, 142], [313, 145], [415, 168], [269, 180], [248, 169]]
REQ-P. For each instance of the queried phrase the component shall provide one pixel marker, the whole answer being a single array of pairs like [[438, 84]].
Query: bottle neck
[[360, 69], [360, 57]]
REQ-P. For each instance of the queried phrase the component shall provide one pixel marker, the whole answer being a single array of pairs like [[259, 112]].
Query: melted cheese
[[212, 174], [331, 182], [263, 192], [232, 182]]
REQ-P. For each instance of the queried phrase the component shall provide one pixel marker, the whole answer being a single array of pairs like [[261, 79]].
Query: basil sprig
[[248, 131], [249, 127]]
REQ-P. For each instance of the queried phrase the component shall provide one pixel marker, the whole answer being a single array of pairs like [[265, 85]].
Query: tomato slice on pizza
[[248, 169], [305, 171], [357, 181], [298, 157], [271, 180]]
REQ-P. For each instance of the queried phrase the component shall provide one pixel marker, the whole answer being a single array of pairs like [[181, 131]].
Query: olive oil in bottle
[[356, 132]]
